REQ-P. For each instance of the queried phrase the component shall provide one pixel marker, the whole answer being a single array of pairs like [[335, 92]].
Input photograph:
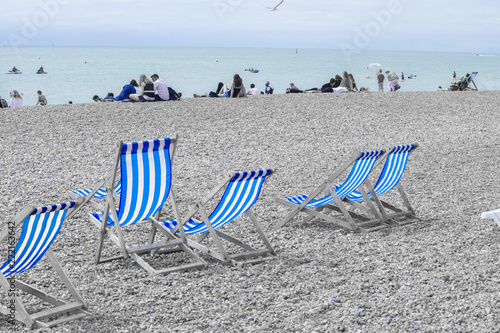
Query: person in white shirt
[[161, 88], [253, 90]]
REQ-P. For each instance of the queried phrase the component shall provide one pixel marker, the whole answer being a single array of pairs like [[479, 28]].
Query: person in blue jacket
[[127, 90]]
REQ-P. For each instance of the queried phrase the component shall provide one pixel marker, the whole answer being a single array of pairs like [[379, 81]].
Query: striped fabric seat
[[392, 172], [360, 170], [242, 191], [146, 177], [100, 194], [40, 229]]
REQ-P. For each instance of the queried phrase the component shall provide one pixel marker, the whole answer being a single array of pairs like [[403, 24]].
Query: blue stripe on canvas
[[38, 233], [146, 176], [359, 172], [391, 174], [241, 193]]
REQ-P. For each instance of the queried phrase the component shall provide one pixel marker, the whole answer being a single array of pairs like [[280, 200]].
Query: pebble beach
[[436, 275]]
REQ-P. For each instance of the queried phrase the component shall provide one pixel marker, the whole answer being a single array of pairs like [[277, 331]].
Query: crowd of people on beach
[[155, 89], [16, 99], [338, 84], [151, 90]]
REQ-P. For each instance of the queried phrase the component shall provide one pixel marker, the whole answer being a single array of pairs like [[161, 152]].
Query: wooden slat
[[68, 307], [61, 320]]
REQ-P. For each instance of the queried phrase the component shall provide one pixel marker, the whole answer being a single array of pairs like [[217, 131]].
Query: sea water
[[78, 73]]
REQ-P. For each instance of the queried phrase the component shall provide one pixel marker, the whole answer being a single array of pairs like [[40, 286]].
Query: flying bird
[[275, 7]]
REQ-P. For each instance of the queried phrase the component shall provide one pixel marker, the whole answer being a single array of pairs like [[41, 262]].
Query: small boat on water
[[251, 70], [40, 72], [15, 72]]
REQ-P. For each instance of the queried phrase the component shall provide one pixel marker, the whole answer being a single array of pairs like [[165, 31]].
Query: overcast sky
[[424, 25]]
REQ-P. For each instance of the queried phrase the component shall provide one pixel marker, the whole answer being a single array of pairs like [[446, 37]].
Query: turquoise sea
[[77, 73]]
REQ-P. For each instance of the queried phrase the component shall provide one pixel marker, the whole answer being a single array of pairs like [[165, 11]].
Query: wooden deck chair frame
[[176, 244], [385, 213], [340, 204], [64, 311], [471, 80], [249, 254]]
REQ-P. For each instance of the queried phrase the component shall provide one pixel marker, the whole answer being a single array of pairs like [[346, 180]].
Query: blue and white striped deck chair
[[362, 164], [396, 161], [469, 81], [40, 228], [100, 193], [241, 193], [146, 177]]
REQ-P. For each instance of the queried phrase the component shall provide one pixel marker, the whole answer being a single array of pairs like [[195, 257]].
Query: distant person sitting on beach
[[346, 81], [16, 99], [338, 81], [354, 86], [380, 79], [328, 87], [3, 103], [109, 98], [253, 90], [268, 90], [237, 87], [147, 90], [293, 89], [97, 99], [464, 82], [161, 88], [393, 79], [41, 99], [127, 90], [219, 92]]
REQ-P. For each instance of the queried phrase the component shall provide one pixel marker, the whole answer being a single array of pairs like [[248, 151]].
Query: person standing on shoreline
[[380, 78], [393, 79]]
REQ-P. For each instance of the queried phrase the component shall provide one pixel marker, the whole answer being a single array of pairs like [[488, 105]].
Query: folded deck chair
[[494, 214], [395, 164], [39, 230], [241, 193], [146, 177], [362, 164]]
